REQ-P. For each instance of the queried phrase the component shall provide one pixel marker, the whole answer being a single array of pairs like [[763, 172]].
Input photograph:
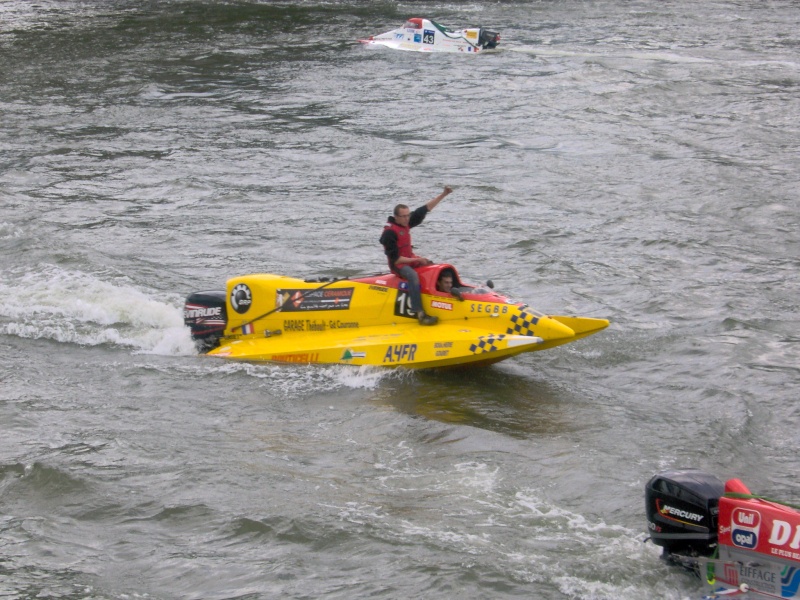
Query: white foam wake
[[87, 309]]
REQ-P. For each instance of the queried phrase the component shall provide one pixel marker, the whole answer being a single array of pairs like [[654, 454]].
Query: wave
[[83, 308], [293, 381]]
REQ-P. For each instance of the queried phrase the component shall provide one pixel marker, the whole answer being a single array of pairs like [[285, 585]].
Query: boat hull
[[759, 546], [405, 345]]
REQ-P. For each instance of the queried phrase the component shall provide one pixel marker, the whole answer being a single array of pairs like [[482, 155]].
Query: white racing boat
[[425, 35]]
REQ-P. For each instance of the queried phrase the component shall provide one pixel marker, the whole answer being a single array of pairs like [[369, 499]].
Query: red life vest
[[403, 242]]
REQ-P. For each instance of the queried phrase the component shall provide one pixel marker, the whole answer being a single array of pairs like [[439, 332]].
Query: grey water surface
[[634, 160]]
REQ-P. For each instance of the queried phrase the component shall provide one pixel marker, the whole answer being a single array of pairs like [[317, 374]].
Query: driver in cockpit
[[445, 284]]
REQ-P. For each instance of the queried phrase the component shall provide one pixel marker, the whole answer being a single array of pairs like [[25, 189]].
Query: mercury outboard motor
[[488, 39], [682, 510], [205, 314]]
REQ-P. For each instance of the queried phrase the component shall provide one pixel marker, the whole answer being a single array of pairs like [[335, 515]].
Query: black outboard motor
[[682, 510], [205, 314], [488, 39]]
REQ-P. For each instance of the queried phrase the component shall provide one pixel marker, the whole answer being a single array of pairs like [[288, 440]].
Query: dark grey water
[[631, 160]]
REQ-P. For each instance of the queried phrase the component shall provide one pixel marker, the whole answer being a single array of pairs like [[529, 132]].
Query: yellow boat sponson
[[368, 321]]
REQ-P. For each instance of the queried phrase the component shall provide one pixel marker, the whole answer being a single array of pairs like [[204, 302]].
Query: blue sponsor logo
[[744, 539], [790, 582], [417, 38]]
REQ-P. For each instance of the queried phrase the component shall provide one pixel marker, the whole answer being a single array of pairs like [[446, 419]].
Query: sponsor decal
[[193, 311], [744, 539], [418, 38], [745, 525], [304, 300], [294, 325], [786, 554], [746, 518], [315, 325], [783, 532], [753, 573], [488, 308], [441, 304], [731, 574], [400, 352], [678, 514], [381, 282], [378, 288], [241, 298], [761, 577], [199, 317], [350, 355], [790, 581], [472, 35], [303, 357]]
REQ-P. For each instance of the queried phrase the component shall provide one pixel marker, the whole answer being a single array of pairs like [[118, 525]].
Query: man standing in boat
[[396, 240]]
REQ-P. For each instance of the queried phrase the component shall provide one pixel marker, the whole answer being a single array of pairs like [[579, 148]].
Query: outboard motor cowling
[[206, 315], [682, 509], [488, 39]]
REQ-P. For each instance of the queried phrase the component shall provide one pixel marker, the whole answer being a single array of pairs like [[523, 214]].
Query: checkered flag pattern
[[486, 343], [522, 323]]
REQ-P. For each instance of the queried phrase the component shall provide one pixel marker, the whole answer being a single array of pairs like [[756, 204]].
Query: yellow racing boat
[[368, 321]]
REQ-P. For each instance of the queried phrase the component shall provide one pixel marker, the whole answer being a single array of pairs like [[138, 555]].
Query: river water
[[634, 160]]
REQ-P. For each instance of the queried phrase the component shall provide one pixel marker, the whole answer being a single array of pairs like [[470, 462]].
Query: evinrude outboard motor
[[488, 39], [205, 314], [682, 509]]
